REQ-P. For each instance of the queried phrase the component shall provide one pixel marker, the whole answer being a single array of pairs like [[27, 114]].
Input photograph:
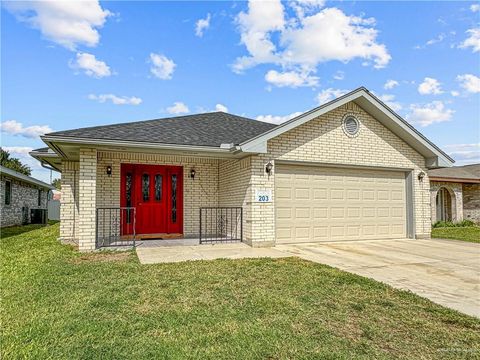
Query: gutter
[[104, 142], [449, 179]]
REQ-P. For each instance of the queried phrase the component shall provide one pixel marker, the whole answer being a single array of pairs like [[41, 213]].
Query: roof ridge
[[158, 119]]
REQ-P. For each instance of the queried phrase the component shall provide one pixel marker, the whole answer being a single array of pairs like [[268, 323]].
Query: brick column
[[69, 202], [87, 199]]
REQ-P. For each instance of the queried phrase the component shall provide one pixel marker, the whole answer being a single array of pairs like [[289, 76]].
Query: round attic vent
[[351, 125]]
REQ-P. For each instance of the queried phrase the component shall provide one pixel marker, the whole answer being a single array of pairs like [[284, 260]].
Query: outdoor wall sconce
[[421, 176], [109, 170], [268, 168], [192, 173]]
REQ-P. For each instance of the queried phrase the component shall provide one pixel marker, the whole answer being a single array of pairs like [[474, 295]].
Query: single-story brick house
[[20, 197], [455, 193], [350, 169]]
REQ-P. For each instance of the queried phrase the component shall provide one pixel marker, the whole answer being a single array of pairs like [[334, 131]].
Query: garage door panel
[[323, 204]]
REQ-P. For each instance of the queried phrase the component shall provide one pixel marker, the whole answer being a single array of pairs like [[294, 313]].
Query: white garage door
[[314, 204]]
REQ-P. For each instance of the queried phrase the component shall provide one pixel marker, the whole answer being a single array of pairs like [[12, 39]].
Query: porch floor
[[168, 254]]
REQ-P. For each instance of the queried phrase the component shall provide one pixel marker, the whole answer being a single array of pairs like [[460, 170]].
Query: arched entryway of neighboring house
[[443, 205]]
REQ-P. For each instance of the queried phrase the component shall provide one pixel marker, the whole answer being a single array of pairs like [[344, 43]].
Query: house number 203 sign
[[263, 196]]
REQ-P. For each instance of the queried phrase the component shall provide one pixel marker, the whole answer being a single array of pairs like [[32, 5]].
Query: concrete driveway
[[444, 271]]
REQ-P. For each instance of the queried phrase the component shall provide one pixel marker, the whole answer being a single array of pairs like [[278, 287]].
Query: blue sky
[[67, 65]]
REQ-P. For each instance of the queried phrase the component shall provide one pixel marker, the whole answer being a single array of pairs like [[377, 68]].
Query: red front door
[[156, 193]]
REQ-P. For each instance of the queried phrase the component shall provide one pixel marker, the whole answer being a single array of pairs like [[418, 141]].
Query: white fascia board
[[443, 159], [259, 143], [103, 142]]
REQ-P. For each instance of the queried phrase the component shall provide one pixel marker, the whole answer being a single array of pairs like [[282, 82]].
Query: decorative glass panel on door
[[146, 187], [128, 196], [158, 187], [174, 198]]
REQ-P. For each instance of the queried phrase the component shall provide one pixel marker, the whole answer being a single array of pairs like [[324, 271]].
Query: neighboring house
[[19, 195], [455, 193], [350, 169]]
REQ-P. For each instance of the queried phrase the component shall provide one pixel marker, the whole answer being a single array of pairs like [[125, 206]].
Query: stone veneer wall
[[322, 140], [23, 194], [456, 196], [471, 202]]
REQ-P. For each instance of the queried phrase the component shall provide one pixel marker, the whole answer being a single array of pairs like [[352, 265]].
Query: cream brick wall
[[87, 192], [322, 140], [69, 201], [200, 192], [234, 189]]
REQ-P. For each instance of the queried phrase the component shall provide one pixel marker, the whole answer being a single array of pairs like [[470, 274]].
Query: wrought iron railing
[[115, 226], [221, 224]]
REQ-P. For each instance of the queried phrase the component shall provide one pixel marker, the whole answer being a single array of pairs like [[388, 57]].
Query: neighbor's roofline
[[322, 109], [24, 178], [454, 179]]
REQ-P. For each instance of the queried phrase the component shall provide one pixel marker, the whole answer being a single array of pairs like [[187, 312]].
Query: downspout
[[47, 167]]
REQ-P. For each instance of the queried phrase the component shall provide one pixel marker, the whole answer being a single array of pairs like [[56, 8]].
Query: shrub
[[440, 224], [463, 223]]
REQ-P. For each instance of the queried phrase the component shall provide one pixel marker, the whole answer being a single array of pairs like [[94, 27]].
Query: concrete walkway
[[166, 254], [444, 271]]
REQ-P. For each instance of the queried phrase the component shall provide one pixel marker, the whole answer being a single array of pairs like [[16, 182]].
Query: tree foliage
[[13, 163], [57, 183]]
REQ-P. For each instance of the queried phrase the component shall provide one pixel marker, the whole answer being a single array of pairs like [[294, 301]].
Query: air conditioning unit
[[38, 216]]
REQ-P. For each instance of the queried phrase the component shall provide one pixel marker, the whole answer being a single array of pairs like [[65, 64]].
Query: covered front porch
[[117, 197]]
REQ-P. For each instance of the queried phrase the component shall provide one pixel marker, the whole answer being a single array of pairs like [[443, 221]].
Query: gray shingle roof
[[467, 172], [28, 179], [208, 129]]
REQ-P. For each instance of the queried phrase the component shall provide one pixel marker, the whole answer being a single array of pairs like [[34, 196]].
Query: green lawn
[[60, 304], [469, 233]]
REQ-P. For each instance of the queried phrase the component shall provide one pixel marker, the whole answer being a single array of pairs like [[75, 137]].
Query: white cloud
[[469, 82], [302, 7], [390, 84], [117, 100], [326, 95], [178, 107], [433, 41], [454, 93], [276, 119], [89, 64], [339, 75], [389, 100], [262, 18], [14, 127], [464, 153], [270, 39], [162, 67], [201, 25], [473, 40], [428, 114], [475, 7], [290, 79], [430, 86], [68, 23], [220, 107]]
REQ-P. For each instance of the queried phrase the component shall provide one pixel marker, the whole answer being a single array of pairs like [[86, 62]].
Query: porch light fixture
[[192, 173], [421, 176], [109, 170], [268, 168]]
